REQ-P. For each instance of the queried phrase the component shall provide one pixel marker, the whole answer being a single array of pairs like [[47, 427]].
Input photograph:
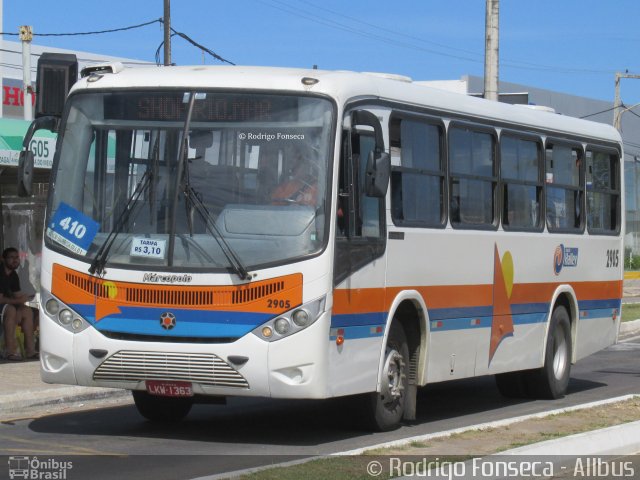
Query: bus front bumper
[[292, 367]]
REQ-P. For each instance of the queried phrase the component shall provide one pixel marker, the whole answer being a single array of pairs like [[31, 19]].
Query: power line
[[192, 42], [314, 17], [158, 20], [122, 29], [201, 47], [598, 113]]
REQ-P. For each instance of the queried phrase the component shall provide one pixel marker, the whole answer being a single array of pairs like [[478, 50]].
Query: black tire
[[511, 384], [382, 411], [161, 409], [551, 381]]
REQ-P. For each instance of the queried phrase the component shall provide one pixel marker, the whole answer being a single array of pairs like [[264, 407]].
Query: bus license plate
[[169, 389]]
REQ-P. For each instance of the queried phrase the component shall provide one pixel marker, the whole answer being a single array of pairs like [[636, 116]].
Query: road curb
[[621, 440], [627, 328], [617, 440], [17, 402], [489, 425]]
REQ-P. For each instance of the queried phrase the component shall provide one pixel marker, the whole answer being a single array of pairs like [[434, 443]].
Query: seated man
[[13, 311]]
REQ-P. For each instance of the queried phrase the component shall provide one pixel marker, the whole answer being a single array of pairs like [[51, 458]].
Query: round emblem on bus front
[[168, 320]]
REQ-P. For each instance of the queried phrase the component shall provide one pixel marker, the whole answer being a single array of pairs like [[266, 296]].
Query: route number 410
[[74, 227]]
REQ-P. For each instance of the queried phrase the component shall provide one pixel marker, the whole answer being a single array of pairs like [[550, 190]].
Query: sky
[[569, 46]]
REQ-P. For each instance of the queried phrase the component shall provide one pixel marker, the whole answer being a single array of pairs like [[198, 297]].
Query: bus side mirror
[[25, 173], [26, 160], [377, 173]]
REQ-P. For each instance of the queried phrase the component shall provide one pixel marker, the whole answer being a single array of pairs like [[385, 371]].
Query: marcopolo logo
[[564, 257]]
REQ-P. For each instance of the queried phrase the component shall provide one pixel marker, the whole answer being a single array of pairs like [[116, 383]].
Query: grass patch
[[630, 311], [457, 447], [351, 468]]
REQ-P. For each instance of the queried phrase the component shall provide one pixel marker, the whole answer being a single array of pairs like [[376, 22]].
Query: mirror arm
[[364, 117], [42, 123]]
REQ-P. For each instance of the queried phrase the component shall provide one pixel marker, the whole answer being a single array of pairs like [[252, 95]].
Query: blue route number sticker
[[72, 229]]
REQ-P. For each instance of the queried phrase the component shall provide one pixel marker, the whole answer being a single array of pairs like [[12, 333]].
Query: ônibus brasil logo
[[564, 257]]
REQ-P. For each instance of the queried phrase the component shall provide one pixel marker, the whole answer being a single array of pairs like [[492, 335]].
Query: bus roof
[[345, 86]]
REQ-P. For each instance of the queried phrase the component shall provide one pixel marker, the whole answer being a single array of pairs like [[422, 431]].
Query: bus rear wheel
[[384, 410], [551, 381], [161, 409]]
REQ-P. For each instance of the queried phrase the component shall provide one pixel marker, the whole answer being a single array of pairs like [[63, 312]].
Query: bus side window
[[417, 179], [473, 178], [603, 192], [565, 191], [521, 169]]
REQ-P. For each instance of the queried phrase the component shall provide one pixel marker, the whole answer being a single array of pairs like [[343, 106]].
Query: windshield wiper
[[182, 179], [200, 207], [97, 265]]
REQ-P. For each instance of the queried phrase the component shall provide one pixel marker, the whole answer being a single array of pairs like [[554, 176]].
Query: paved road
[[250, 432]]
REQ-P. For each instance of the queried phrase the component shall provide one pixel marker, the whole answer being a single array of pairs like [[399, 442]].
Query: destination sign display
[[208, 107]]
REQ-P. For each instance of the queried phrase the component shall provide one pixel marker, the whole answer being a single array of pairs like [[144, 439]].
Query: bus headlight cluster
[[292, 321], [62, 314]]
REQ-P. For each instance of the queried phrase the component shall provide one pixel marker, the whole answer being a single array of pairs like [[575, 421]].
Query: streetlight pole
[[26, 35], [617, 103], [491, 59]]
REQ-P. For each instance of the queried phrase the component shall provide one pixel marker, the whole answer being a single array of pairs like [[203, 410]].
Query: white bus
[[432, 236]]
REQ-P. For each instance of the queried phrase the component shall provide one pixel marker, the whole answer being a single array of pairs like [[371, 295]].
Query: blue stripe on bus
[[599, 304], [524, 313], [358, 319], [189, 323], [358, 331], [465, 312], [598, 313], [484, 322]]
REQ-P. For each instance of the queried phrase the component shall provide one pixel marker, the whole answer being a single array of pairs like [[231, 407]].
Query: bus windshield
[[160, 181]]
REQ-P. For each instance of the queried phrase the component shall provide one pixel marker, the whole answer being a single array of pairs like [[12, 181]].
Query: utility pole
[[26, 35], [491, 59], [617, 103], [167, 32]]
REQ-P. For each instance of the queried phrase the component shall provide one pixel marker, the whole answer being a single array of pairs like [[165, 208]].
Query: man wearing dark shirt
[[12, 308]]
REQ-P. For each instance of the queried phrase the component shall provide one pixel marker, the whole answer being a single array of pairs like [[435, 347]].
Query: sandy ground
[[483, 442]]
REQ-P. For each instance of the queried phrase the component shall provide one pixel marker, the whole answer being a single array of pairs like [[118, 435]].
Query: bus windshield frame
[[148, 181]]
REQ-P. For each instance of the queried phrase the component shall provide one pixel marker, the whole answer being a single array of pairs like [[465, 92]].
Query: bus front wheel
[[383, 410], [161, 409]]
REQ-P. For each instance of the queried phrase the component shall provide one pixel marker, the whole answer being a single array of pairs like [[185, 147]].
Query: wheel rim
[[393, 378], [560, 353]]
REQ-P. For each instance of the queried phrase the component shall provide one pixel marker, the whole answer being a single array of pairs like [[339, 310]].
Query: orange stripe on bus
[[368, 300]]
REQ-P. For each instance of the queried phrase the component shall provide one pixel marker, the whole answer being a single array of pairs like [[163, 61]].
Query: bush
[[631, 261]]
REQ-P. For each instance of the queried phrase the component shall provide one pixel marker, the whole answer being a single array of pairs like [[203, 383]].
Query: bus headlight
[[282, 326], [300, 317], [52, 307], [65, 317], [62, 314], [291, 322]]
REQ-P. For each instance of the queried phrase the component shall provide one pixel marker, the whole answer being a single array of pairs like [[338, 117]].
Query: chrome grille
[[202, 368]]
